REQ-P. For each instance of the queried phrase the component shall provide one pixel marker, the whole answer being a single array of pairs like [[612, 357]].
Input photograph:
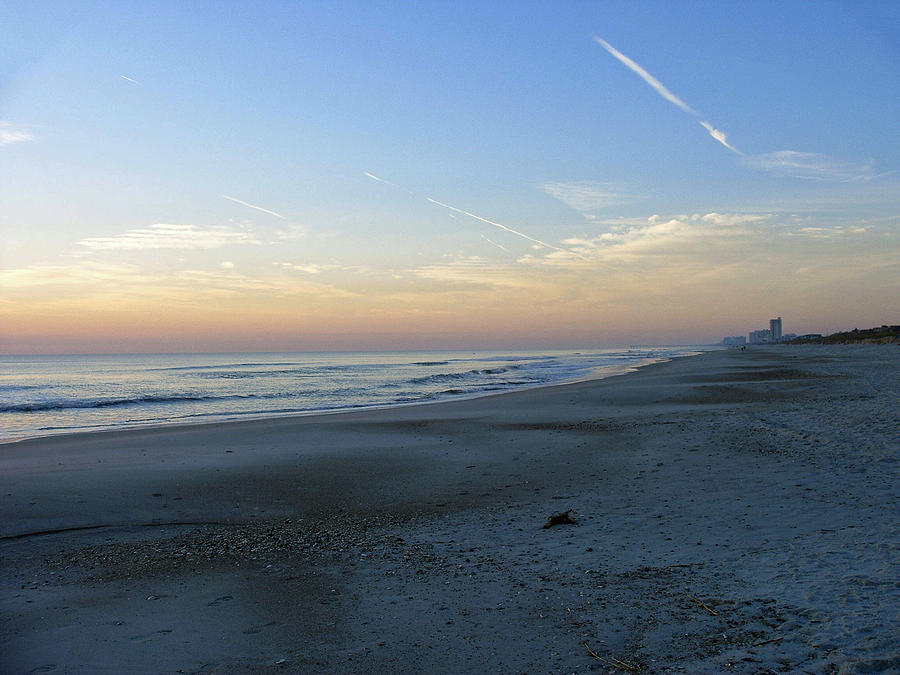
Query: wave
[[221, 366], [226, 372], [454, 377], [253, 374], [87, 404], [19, 387]]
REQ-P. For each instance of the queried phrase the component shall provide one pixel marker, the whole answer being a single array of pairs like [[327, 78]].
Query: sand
[[735, 512]]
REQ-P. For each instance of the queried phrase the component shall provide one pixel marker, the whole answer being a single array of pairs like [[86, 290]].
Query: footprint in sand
[[147, 636], [218, 601]]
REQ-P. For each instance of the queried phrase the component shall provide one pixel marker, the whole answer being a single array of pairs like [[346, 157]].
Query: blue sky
[[137, 138]]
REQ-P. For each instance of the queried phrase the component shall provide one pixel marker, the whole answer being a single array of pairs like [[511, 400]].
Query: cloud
[[125, 77], [308, 269], [587, 196], [90, 279], [473, 272], [88, 272], [168, 236], [831, 232], [253, 206], [291, 233], [718, 135], [222, 281], [810, 166], [10, 135], [659, 239]]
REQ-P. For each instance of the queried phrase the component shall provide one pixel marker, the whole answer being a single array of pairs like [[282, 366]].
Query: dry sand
[[735, 512]]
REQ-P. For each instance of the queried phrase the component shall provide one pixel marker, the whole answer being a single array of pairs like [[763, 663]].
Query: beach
[[734, 511]]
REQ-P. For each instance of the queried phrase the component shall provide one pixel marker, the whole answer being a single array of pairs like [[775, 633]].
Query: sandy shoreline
[[737, 512], [599, 372]]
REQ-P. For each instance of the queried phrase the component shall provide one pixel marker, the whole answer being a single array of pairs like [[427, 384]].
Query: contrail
[[661, 89], [125, 77], [490, 241], [258, 208], [719, 136], [504, 227], [387, 182], [380, 180], [647, 77], [472, 215]]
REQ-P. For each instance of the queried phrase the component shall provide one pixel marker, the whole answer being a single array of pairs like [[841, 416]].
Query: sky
[[240, 176]]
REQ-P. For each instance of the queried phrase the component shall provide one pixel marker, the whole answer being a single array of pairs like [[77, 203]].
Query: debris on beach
[[561, 518]]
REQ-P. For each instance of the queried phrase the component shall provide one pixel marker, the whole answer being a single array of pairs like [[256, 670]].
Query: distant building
[[760, 337], [775, 329], [788, 336], [734, 341]]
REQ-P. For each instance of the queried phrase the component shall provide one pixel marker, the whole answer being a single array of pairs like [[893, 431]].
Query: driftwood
[[705, 606], [611, 661], [766, 642], [561, 518]]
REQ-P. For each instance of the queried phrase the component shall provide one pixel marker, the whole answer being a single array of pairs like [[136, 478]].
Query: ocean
[[47, 395]]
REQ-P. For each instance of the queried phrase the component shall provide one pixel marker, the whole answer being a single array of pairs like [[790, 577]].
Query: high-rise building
[[734, 341], [775, 328], [761, 336]]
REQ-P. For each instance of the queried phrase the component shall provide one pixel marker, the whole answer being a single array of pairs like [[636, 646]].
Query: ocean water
[[45, 395]]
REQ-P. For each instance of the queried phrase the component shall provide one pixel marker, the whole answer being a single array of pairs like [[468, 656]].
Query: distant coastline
[[885, 334], [882, 335]]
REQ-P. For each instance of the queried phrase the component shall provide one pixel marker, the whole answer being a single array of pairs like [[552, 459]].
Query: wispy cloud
[[10, 134], [83, 273], [291, 233], [254, 206], [91, 279], [659, 239], [502, 227], [832, 232], [810, 166], [171, 236], [310, 268], [472, 272], [661, 89], [125, 77], [586, 196]]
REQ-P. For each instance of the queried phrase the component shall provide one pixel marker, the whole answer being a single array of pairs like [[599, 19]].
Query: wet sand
[[735, 512]]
